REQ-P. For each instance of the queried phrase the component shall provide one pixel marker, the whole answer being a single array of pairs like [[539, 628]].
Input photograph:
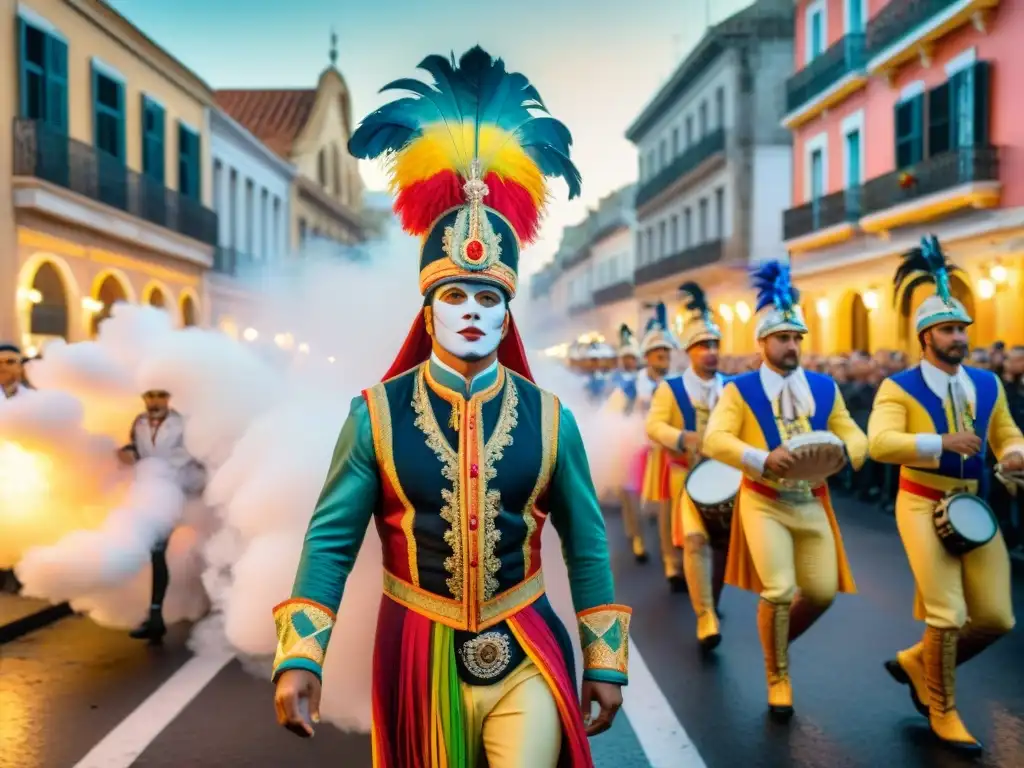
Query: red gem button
[[474, 250], [474, 470], [473, 523], [472, 563]]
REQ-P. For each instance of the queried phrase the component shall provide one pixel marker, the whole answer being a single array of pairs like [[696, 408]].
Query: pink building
[[907, 118]]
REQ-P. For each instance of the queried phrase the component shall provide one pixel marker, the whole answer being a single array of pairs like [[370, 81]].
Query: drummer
[[677, 419], [647, 467], [936, 420], [785, 542]]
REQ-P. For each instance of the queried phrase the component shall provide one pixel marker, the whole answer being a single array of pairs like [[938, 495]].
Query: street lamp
[[986, 289], [998, 274], [250, 334], [821, 305], [726, 312], [870, 299], [742, 311]]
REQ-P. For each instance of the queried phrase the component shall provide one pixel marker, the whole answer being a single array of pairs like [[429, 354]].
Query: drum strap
[[770, 493], [921, 490]]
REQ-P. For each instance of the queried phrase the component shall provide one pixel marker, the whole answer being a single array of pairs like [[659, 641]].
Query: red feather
[[419, 204], [513, 202]]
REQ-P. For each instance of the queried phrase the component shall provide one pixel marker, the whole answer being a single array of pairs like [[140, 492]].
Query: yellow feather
[[440, 149]]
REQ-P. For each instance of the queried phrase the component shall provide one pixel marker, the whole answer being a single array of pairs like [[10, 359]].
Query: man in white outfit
[[160, 433]]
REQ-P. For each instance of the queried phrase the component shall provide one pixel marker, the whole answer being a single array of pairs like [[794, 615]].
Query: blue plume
[[924, 264], [477, 89], [771, 280]]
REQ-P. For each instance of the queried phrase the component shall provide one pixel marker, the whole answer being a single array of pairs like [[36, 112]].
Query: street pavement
[[73, 689]]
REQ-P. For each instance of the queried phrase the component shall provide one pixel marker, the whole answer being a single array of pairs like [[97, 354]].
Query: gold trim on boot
[[908, 669], [773, 628], [639, 549], [697, 565], [940, 674], [632, 526]]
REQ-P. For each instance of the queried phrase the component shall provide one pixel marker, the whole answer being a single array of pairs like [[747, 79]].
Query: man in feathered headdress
[[785, 542], [460, 459], [677, 420], [937, 421]]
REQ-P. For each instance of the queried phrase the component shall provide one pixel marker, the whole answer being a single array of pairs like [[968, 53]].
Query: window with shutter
[[940, 135], [909, 137], [108, 114], [969, 106], [43, 81], [153, 155], [189, 182]]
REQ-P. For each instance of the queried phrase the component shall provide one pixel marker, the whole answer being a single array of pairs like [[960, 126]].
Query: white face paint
[[468, 318]]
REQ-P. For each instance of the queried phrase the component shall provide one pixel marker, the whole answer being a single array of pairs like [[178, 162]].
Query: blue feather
[[771, 280], [477, 88]]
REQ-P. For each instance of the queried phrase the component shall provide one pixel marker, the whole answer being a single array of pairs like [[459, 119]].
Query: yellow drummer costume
[[785, 542], [662, 480], [964, 601], [682, 405]]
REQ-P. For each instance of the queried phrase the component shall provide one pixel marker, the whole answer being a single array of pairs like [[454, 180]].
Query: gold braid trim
[[493, 452], [604, 635], [303, 629], [451, 512]]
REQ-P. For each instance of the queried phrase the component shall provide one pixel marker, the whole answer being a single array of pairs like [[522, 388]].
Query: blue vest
[[823, 390], [986, 388]]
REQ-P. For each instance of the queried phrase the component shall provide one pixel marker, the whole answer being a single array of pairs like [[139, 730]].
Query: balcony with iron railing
[[823, 213], [826, 80], [906, 29], [688, 258], [685, 163], [966, 177], [49, 155]]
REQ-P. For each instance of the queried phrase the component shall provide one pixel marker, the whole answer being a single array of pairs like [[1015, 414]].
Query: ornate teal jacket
[[459, 480]]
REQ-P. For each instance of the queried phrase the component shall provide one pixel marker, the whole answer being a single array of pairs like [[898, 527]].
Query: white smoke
[[263, 416]]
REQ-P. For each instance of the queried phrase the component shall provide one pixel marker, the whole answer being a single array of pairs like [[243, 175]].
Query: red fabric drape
[[417, 346]]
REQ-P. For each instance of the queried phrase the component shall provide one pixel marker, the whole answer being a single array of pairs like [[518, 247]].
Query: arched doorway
[[156, 298], [188, 311], [49, 317], [909, 303], [110, 292], [860, 325]]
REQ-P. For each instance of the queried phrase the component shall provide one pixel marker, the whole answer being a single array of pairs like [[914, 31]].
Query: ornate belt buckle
[[487, 655]]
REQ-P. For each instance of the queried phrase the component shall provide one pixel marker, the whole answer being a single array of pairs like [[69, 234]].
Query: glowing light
[[742, 311], [32, 351], [228, 327], [725, 311], [331, 359], [90, 304], [822, 307], [284, 340], [304, 348], [870, 299], [250, 334], [998, 274], [24, 481], [30, 295], [986, 288]]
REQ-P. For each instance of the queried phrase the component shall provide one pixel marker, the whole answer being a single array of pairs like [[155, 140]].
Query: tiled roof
[[275, 117]]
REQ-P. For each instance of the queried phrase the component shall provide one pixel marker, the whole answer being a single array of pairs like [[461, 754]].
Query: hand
[[1013, 463], [965, 443], [297, 701], [691, 442], [779, 461], [609, 698], [127, 457]]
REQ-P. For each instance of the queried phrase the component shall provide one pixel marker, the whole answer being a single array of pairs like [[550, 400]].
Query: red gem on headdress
[[475, 250]]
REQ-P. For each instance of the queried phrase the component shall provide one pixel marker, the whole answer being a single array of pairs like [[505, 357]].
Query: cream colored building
[[105, 187], [310, 128]]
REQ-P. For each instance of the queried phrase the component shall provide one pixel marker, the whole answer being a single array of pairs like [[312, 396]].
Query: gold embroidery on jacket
[[493, 452]]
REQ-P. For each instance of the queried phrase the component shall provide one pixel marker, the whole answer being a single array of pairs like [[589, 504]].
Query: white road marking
[[123, 745], [661, 735]]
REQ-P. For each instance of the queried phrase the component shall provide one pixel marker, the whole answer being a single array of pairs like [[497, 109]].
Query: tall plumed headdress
[[627, 342], [777, 308], [468, 157], [928, 264], [657, 334], [700, 324]]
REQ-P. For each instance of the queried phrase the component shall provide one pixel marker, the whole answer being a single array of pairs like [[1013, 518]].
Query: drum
[[819, 455], [712, 487], [964, 522]]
